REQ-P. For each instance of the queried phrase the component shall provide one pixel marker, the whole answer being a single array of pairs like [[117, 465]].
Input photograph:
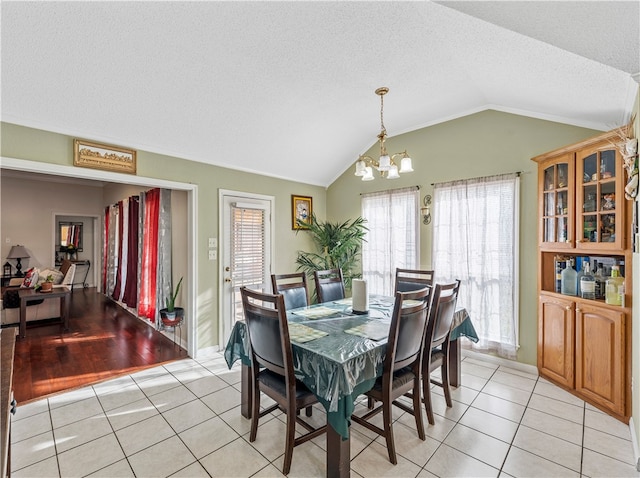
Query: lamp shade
[[405, 165], [384, 163], [18, 252], [393, 172]]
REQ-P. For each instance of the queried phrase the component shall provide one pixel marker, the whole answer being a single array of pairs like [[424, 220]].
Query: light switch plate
[[213, 255], [213, 242]]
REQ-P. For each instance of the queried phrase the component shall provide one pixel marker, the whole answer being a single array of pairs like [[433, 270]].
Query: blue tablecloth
[[340, 365]]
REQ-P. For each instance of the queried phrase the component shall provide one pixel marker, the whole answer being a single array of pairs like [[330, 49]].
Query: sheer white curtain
[[475, 239], [393, 238]]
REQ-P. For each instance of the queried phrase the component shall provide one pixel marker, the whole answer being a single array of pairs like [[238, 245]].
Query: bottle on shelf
[[560, 264], [579, 267], [614, 290], [598, 275], [569, 279], [587, 283]]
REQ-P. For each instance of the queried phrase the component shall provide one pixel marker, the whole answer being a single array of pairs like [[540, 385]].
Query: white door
[[245, 250]]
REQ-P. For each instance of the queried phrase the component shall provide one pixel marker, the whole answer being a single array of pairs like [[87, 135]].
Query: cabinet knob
[[578, 309], [568, 307]]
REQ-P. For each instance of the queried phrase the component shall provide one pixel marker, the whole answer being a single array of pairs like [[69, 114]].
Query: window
[[393, 237], [248, 243], [475, 239]]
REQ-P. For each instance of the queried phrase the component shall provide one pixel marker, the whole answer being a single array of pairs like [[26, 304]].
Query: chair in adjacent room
[[329, 285], [293, 287], [402, 368], [443, 307], [272, 368], [412, 279]]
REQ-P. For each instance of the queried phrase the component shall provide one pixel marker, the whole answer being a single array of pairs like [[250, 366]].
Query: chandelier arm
[[369, 161]]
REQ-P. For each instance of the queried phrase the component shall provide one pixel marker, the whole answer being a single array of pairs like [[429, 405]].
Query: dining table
[[337, 354]]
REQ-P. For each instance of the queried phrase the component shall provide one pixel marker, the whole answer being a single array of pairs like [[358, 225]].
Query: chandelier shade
[[386, 164]]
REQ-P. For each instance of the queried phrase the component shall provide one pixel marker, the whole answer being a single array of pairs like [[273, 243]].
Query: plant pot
[[173, 318], [46, 287]]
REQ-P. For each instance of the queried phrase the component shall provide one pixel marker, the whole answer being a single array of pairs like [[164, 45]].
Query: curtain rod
[[517, 173], [396, 189]]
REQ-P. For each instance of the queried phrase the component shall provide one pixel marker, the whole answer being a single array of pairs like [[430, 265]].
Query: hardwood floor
[[103, 341]]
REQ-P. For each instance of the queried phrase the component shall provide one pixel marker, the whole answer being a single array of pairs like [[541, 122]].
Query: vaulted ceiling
[[287, 88]]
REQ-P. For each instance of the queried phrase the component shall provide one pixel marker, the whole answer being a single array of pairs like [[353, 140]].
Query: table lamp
[[18, 252]]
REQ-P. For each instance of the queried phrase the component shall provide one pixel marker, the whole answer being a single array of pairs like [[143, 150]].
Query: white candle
[[360, 297]]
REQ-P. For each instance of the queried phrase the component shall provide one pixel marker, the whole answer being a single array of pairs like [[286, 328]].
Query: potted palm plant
[[338, 247], [171, 314]]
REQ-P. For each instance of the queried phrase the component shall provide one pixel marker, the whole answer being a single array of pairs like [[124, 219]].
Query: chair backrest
[[443, 307], [268, 330], [407, 330], [329, 285], [293, 287], [412, 279]]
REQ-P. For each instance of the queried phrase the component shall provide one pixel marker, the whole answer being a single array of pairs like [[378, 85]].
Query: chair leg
[[417, 410], [370, 402], [388, 430], [255, 412], [444, 371], [426, 393], [290, 439], [309, 411]]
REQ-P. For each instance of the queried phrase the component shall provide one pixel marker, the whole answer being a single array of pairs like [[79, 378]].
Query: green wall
[[36, 145], [480, 144]]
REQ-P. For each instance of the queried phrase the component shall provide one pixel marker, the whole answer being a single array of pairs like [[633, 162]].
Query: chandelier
[[386, 164]]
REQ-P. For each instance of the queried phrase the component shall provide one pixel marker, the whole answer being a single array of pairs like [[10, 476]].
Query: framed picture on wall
[[301, 212], [88, 154]]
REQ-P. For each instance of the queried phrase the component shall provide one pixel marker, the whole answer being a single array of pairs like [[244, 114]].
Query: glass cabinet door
[[599, 199], [557, 202]]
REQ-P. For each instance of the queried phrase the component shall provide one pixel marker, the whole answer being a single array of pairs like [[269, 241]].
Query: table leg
[[455, 370], [338, 454], [23, 318], [64, 310], [246, 393]]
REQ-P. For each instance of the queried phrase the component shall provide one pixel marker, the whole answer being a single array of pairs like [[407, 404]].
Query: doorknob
[[227, 269]]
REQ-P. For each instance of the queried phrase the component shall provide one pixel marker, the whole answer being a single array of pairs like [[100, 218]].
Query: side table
[[31, 295]]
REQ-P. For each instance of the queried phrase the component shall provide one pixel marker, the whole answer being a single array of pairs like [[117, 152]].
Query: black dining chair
[[412, 279], [293, 287], [443, 307], [272, 369], [402, 368], [329, 285]]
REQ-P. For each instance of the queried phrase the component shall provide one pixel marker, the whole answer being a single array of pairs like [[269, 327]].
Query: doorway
[[106, 176], [84, 230], [246, 248]]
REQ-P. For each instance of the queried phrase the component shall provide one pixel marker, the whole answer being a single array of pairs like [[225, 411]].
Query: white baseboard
[[634, 442], [207, 352], [523, 367]]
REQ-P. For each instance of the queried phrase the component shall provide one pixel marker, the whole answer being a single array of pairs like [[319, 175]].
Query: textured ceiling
[[287, 88]]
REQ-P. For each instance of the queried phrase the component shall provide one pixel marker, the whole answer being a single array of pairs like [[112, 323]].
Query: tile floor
[[183, 420]]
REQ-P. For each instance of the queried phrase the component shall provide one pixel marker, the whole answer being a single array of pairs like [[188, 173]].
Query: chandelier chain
[[382, 128]]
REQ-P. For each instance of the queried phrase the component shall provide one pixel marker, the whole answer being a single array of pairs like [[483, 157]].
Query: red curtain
[[130, 296], [149, 266]]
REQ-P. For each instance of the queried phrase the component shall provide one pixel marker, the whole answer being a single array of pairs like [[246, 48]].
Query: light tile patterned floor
[[183, 420]]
